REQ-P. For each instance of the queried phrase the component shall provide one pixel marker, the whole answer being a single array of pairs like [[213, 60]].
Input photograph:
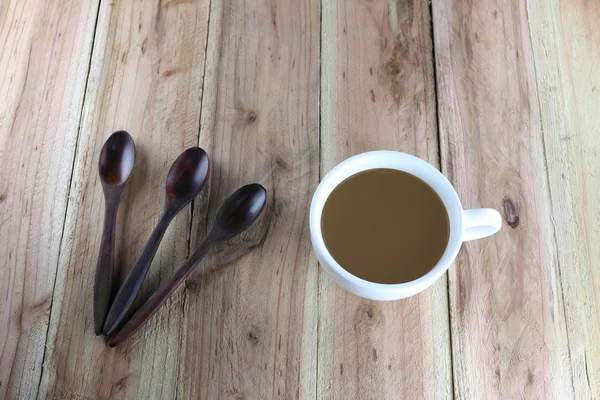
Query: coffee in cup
[[385, 225]]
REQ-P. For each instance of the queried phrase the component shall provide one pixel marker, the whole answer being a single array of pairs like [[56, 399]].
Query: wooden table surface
[[502, 95]]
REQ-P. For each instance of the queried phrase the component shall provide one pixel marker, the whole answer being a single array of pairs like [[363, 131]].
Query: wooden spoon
[[238, 212], [115, 165], [184, 181]]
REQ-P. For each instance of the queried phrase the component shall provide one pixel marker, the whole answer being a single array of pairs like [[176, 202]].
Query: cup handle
[[480, 222]]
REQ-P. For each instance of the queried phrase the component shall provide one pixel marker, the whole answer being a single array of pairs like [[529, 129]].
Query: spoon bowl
[[187, 175], [240, 210], [116, 159]]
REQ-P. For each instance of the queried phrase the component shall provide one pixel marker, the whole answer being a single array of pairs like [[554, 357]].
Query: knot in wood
[[392, 67], [511, 213], [250, 117]]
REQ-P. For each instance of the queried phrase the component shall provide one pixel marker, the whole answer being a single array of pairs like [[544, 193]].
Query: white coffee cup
[[464, 224]]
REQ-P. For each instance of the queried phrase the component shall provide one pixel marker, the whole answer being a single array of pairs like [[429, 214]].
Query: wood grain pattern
[[146, 77], [251, 326], [378, 93], [517, 96], [45, 50], [510, 335], [565, 37]]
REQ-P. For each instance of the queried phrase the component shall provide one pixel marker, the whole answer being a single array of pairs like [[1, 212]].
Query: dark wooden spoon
[[184, 181], [238, 212], [115, 165]]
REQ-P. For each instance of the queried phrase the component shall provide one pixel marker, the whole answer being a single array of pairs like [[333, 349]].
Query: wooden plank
[[565, 37], [252, 325], [509, 334], [146, 77], [45, 50], [378, 93]]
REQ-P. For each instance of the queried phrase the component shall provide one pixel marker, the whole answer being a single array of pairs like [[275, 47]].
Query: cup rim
[[402, 289]]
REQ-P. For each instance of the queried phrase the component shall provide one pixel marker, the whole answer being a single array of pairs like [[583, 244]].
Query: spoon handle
[[133, 282], [160, 296], [104, 268]]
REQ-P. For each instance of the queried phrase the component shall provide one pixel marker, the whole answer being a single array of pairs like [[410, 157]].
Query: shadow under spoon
[[114, 166], [238, 212], [184, 181]]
